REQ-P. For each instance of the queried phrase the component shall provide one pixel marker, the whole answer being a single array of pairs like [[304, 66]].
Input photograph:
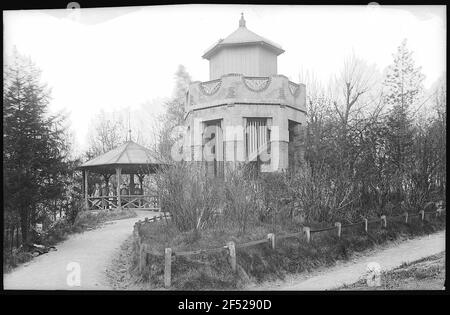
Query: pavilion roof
[[128, 155]]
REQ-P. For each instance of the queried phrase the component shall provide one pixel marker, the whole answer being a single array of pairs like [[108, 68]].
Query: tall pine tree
[[403, 86], [34, 147]]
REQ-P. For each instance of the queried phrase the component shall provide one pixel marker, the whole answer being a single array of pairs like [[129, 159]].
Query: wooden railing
[[305, 232], [143, 202]]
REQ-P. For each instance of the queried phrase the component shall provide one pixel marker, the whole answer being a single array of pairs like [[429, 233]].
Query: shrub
[[188, 195], [241, 200]]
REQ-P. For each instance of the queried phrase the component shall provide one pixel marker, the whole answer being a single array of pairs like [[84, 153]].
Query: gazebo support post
[[105, 197], [141, 188], [141, 180], [86, 189], [131, 188], [118, 175]]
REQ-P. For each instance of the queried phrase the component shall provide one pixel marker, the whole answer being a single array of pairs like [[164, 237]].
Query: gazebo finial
[[242, 20]]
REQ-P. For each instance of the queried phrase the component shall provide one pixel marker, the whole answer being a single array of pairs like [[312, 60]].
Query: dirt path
[[92, 250], [389, 257]]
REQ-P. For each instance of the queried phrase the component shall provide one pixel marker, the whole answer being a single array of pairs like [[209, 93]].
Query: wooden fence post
[[366, 225], [167, 267], [406, 217], [271, 238], [307, 231], [139, 233], [142, 256], [422, 213], [135, 234], [383, 221], [339, 229], [232, 252]]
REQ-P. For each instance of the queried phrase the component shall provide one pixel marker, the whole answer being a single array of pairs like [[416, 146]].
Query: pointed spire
[[242, 21]]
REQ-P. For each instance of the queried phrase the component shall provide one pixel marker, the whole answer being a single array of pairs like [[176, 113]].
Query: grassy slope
[[260, 263], [424, 274]]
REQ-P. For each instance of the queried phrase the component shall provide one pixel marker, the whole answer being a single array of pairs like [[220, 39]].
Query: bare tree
[[354, 89], [107, 132]]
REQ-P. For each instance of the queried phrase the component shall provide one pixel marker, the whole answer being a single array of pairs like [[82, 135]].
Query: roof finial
[[242, 21]]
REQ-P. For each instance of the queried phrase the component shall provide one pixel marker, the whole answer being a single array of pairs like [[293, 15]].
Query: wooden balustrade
[[143, 202]]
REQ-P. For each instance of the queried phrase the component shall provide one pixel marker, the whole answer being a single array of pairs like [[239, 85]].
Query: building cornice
[[238, 103]]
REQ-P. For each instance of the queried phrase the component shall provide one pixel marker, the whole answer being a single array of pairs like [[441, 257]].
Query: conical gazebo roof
[[130, 157]]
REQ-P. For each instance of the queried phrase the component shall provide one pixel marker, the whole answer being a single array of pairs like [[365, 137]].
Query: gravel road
[[388, 257], [91, 251]]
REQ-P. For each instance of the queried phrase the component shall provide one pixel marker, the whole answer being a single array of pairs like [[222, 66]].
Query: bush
[[189, 196], [242, 205]]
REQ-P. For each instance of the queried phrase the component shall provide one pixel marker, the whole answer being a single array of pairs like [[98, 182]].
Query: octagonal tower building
[[246, 112]]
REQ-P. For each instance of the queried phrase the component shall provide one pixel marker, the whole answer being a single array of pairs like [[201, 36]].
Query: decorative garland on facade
[[257, 84], [210, 87], [294, 88]]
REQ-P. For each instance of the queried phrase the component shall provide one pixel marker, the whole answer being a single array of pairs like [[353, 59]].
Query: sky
[[125, 58]]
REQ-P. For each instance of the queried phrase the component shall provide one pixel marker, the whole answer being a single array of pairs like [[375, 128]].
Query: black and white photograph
[[225, 147]]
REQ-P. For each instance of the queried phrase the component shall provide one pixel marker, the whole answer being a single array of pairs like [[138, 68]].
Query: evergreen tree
[[175, 107], [403, 79], [174, 115], [35, 150], [403, 87]]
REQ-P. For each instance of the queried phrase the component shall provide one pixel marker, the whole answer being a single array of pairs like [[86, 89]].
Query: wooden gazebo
[[129, 159]]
